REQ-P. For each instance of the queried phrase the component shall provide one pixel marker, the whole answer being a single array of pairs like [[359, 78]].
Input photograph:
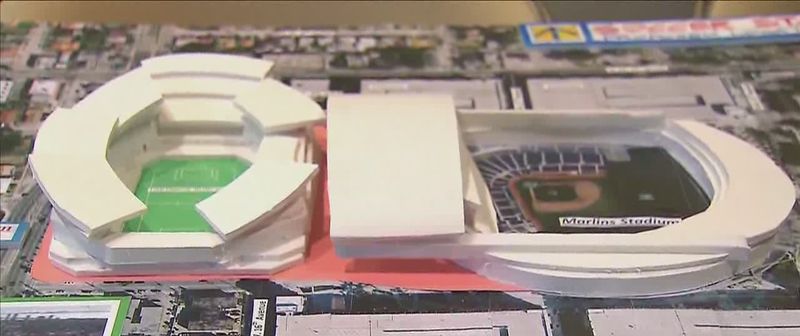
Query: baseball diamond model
[[596, 203], [532, 187]]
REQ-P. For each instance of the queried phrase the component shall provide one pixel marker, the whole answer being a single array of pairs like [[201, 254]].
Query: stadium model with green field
[[171, 187], [588, 189], [577, 202], [219, 180]]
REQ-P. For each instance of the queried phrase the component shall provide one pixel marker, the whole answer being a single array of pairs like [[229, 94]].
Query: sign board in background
[[11, 234], [663, 33], [75, 315], [259, 322], [616, 222]]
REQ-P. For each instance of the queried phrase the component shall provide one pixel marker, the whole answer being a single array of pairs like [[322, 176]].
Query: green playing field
[[171, 187]]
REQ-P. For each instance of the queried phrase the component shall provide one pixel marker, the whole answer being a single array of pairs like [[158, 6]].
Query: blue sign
[[11, 234], [663, 33]]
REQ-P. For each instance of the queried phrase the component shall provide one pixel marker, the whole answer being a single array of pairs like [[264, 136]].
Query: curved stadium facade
[[189, 163]]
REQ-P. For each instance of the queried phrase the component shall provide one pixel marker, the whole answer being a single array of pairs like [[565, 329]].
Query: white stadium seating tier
[[75, 132], [189, 86], [277, 107], [73, 183], [128, 253], [205, 64], [69, 163], [179, 112], [262, 188], [116, 97], [748, 180], [610, 283], [178, 105]]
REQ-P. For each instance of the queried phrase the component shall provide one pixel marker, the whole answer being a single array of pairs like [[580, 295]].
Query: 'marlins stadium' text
[[594, 222]]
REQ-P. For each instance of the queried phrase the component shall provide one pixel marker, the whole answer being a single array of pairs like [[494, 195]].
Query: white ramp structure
[[89, 161], [592, 203]]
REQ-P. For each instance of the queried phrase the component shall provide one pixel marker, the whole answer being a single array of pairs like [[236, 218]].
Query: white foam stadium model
[[582, 203], [185, 108]]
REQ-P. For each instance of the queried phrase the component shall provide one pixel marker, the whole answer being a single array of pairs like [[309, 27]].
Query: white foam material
[[177, 105], [394, 160], [243, 201], [277, 107]]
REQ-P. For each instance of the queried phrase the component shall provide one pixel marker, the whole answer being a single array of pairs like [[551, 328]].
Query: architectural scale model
[[597, 203], [580, 203], [191, 163]]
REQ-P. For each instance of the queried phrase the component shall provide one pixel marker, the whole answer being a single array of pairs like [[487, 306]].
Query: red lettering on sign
[[699, 26], [765, 22], [720, 28], [678, 27], [634, 28], [655, 28], [605, 29], [721, 25]]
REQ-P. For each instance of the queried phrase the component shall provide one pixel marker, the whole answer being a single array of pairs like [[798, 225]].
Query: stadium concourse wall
[[195, 252], [725, 239]]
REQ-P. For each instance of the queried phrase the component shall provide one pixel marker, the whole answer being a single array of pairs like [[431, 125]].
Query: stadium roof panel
[[277, 107], [209, 65], [75, 132], [395, 163], [200, 110], [115, 96], [74, 183], [203, 86]]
